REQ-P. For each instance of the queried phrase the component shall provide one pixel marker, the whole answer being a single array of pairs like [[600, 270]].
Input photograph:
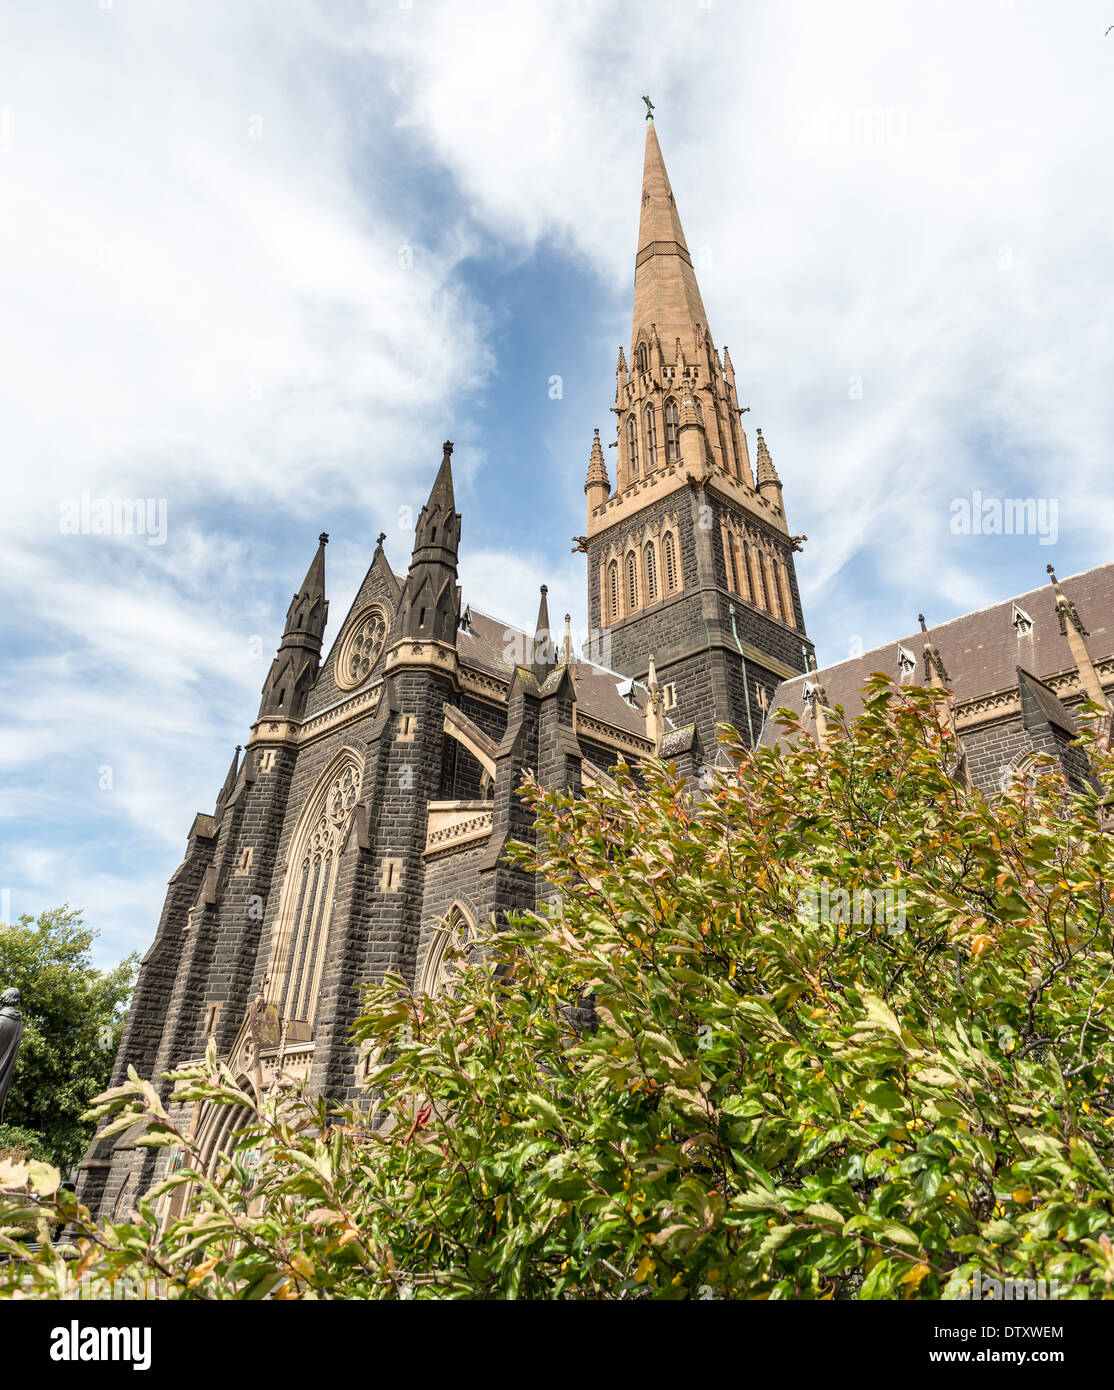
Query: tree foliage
[[698, 1075], [73, 1015]]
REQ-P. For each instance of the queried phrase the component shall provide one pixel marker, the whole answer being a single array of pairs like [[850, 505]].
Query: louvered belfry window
[[651, 573], [671, 422], [651, 439], [669, 546]]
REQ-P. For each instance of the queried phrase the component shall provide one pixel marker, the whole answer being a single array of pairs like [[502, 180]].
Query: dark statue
[[11, 1030]]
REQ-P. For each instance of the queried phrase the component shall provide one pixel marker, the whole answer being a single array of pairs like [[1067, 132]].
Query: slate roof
[[981, 651], [492, 646]]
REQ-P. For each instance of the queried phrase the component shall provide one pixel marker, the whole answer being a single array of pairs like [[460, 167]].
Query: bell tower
[[690, 560]]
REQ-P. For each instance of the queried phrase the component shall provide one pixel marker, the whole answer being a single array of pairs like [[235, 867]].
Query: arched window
[[632, 445], [699, 410], [302, 929], [651, 440], [669, 548], [218, 1133], [758, 597], [641, 358], [449, 943], [788, 612], [632, 583], [773, 599], [651, 558], [671, 422], [729, 551], [613, 590]]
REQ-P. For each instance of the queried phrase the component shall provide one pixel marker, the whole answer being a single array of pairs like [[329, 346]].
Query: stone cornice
[[672, 478], [610, 734], [411, 652], [295, 734], [291, 733], [483, 683], [719, 638], [998, 705], [452, 824]]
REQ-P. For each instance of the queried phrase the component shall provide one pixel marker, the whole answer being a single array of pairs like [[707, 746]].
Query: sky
[[258, 260]]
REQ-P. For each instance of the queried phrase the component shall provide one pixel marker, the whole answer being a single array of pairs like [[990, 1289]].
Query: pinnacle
[[765, 472], [442, 491], [230, 779], [543, 641], [597, 468], [314, 582]]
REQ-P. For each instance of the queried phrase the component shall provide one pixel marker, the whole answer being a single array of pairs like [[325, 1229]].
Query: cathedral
[[363, 830]]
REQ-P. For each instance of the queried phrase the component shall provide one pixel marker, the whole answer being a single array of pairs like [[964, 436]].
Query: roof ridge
[[937, 628]]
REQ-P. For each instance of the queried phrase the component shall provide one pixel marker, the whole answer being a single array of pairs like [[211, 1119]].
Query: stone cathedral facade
[[364, 828]]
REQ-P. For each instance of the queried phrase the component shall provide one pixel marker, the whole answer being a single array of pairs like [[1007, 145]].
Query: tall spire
[[672, 357], [295, 665], [430, 601], [665, 288]]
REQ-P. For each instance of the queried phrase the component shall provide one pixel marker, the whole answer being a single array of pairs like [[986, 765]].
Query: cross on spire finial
[[649, 108], [323, 538]]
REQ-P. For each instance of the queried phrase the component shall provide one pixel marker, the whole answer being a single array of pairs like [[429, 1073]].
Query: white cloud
[[917, 196], [191, 307], [913, 196]]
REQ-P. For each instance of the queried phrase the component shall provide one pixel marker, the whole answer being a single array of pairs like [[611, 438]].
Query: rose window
[[361, 648]]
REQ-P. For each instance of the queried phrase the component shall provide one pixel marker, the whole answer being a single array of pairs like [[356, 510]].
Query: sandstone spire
[[665, 290]]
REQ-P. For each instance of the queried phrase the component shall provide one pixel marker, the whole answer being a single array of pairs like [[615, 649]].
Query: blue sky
[[260, 260]]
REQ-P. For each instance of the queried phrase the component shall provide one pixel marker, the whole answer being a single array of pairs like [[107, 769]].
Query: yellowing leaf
[[914, 1277], [43, 1177]]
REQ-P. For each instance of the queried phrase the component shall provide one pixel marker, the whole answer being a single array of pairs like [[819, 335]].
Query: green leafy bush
[[703, 1073]]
